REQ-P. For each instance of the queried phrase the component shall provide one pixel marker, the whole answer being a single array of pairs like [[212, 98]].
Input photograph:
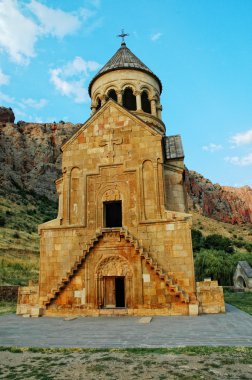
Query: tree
[[197, 240], [218, 242], [218, 265]]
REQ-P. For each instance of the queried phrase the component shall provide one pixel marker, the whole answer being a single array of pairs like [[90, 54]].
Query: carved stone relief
[[114, 266]]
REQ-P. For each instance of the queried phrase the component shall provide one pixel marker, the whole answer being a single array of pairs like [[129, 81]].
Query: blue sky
[[200, 49]]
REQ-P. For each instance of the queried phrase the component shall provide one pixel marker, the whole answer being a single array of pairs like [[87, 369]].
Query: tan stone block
[[193, 309]]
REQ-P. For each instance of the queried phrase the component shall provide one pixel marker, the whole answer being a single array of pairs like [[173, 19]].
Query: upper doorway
[[112, 214]]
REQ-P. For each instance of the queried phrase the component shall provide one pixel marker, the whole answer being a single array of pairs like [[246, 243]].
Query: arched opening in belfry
[[129, 99], [98, 101], [112, 95], [146, 107]]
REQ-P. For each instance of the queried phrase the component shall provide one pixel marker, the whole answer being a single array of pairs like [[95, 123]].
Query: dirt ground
[[116, 365]]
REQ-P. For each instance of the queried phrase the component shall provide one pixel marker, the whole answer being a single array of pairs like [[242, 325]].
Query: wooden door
[[110, 299]]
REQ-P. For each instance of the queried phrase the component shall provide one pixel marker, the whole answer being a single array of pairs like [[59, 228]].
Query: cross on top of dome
[[123, 35]]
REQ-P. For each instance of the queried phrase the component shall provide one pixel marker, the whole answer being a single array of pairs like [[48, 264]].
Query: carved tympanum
[[113, 266], [111, 195]]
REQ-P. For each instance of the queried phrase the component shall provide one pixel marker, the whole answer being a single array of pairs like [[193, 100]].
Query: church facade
[[121, 243]]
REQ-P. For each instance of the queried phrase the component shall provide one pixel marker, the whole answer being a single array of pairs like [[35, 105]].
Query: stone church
[[121, 244]]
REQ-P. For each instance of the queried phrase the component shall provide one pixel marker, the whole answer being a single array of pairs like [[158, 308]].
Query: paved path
[[233, 328]]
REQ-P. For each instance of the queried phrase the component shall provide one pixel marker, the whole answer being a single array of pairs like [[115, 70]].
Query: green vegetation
[[241, 300], [23, 211], [20, 214], [189, 350], [18, 268], [7, 307], [216, 256], [191, 363]]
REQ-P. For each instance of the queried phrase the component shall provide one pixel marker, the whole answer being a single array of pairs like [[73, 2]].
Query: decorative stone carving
[[114, 266], [111, 195]]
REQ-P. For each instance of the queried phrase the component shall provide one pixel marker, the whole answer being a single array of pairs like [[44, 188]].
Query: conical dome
[[124, 59], [130, 83]]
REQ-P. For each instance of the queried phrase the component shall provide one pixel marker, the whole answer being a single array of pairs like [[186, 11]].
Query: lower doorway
[[114, 294]]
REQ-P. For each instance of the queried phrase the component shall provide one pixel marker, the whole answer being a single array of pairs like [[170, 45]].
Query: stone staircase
[[171, 283]]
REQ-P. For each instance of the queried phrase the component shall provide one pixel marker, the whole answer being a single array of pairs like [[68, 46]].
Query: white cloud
[[18, 112], [18, 34], [54, 21], [242, 138], [4, 79], [212, 147], [6, 98], [95, 3], [21, 106], [240, 161], [77, 70], [32, 103], [21, 25], [156, 36]]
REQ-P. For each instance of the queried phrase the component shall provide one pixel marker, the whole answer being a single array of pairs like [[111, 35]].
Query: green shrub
[[16, 235], [197, 240], [218, 265], [2, 221], [218, 242]]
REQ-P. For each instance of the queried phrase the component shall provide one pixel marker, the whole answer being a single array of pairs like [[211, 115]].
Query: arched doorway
[[240, 283], [114, 278]]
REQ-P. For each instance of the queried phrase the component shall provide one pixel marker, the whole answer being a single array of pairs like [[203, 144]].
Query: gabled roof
[[121, 109], [246, 267], [124, 59]]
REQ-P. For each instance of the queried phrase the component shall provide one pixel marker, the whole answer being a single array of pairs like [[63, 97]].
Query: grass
[[210, 226], [20, 215], [190, 363], [241, 300], [190, 350], [7, 307], [18, 267]]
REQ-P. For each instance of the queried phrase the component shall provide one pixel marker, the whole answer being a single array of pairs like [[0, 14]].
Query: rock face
[[30, 156], [6, 115], [227, 204], [244, 193], [31, 161]]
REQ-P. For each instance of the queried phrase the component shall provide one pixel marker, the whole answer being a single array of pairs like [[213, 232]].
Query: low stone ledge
[[210, 296]]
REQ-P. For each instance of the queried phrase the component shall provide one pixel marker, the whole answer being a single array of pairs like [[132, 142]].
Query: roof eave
[[124, 68]]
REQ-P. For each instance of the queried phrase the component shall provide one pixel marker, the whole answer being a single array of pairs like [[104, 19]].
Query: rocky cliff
[[6, 115], [30, 156], [227, 204], [31, 161]]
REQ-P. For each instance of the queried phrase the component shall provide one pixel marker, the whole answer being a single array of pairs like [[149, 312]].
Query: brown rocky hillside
[[31, 161], [226, 204]]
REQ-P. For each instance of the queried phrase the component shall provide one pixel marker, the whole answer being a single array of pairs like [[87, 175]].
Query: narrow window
[[129, 99], [113, 214], [98, 104], [146, 107], [112, 94]]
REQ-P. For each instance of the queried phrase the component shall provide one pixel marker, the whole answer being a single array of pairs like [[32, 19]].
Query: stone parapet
[[210, 297], [28, 301]]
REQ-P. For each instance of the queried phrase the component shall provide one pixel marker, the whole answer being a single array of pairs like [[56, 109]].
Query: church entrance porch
[[114, 292]]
